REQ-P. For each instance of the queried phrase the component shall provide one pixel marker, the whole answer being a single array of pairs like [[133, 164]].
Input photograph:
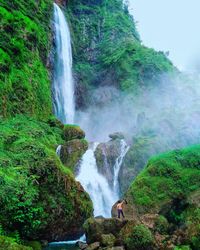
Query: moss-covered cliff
[[170, 186], [38, 196], [25, 42], [107, 49]]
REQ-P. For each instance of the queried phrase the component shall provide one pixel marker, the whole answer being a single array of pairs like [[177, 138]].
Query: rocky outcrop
[[71, 132], [72, 151], [165, 198], [106, 155], [44, 201], [74, 146], [95, 228]]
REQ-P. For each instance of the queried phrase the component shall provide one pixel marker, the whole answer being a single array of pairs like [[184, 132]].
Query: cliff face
[[107, 50], [39, 197], [169, 187], [25, 42]]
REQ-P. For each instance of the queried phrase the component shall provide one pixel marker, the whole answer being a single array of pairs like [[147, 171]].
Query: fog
[[169, 113]]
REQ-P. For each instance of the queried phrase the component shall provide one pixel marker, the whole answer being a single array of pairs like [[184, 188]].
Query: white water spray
[[63, 85], [124, 149], [95, 184], [58, 149], [102, 196]]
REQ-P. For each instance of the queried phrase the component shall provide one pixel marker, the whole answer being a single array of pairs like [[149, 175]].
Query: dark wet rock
[[81, 245], [93, 246], [117, 135], [106, 155]]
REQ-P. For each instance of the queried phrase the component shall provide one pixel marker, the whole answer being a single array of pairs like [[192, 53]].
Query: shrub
[[139, 238], [161, 224]]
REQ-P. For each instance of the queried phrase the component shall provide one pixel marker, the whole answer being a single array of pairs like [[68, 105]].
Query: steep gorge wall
[[107, 50], [25, 42], [39, 197]]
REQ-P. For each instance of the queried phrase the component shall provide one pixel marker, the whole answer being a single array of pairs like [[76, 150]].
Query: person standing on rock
[[120, 208]]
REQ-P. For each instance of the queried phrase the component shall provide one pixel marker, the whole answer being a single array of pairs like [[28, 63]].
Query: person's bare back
[[120, 209]]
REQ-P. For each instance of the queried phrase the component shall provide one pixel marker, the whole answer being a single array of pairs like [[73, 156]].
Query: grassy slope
[[167, 176], [170, 186], [25, 42], [38, 195]]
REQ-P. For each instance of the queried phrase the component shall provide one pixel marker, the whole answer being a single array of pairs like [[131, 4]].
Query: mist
[[168, 112]]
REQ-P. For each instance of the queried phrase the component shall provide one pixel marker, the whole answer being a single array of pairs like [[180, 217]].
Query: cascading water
[[58, 149], [63, 85], [95, 184], [103, 197], [124, 149]]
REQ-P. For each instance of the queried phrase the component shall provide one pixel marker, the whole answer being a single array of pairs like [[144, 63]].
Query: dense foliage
[[107, 49], [38, 194], [140, 237], [25, 41], [170, 185]]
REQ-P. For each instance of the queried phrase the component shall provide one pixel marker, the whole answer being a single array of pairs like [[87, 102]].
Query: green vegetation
[[169, 185], [175, 174], [7, 243], [140, 237], [25, 42], [107, 49], [38, 194]]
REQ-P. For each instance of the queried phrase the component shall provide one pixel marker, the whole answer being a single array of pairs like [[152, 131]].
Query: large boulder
[[106, 155], [71, 132], [72, 151], [94, 229]]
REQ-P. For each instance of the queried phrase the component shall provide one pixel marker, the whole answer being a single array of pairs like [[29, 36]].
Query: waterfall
[[63, 85], [123, 150], [95, 184], [101, 194], [58, 149]]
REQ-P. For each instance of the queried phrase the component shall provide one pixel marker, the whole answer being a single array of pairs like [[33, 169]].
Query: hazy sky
[[170, 25]]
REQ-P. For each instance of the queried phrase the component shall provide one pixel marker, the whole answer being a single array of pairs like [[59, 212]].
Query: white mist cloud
[[170, 112]]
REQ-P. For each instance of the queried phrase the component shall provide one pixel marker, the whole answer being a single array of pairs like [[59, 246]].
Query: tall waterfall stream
[[102, 195]]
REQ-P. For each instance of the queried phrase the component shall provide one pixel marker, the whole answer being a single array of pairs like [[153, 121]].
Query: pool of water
[[61, 246]]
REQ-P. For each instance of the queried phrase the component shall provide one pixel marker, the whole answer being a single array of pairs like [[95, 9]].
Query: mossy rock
[[71, 132], [7, 243], [140, 237], [108, 240], [95, 227], [54, 122], [72, 151], [169, 185], [35, 245], [44, 200]]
